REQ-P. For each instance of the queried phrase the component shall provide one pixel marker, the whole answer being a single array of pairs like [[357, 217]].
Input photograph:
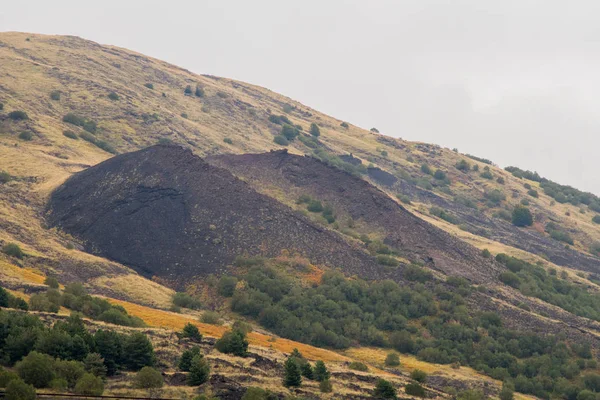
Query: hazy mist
[[513, 81]]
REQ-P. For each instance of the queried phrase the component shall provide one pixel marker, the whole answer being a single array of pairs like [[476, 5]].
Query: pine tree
[[191, 331], [199, 371], [307, 371], [320, 372], [185, 362], [293, 377], [138, 351]]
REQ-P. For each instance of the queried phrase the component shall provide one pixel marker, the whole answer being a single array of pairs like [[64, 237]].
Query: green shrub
[[18, 115], [55, 95], [149, 85], [70, 135], [314, 130], [211, 317], [500, 180], [418, 375], [51, 282], [256, 393], [533, 193], [199, 371], [344, 125], [463, 165], [374, 130], [281, 140], [510, 279], [59, 384], [596, 219], [443, 214], [1, 106], [13, 250], [414, 389], [36, 369], [314, 206], [486, 175], [415, 273], [19, 390], [88, 137], [226, 286], [242, 326], [470, 394], [495, 196], [392, 360], [89, 385], [425, 169], [148, 378], [199, 91], [70, 371], [5, 177], [26, 136], [279, 119], [227, 140], [184, 115], [289, 132], [358, 366], [191, 331], [521, 216], [233, 342], [188, 90], [439, 175], [94, 364], [387, 260], [325, 386], [384, 390], [184, 300], [486, 253]]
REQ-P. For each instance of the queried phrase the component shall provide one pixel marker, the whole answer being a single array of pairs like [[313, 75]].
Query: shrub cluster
[[87, 124], [76, 298]]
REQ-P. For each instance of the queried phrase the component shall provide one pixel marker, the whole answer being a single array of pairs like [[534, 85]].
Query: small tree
[[138, 351], [51, 282], [314, 130], [19, 390], [94, 364], [307, 370], [199, 91], [113, 96], [199, 371], [233, 342], [89, 385], [70, 371], [392, 360], [321, 372], [36, 369], [521, 216], [384, 390], [293, 376], [148, 378], [188, 90], [185, 362], [191, 331], [211, 317]]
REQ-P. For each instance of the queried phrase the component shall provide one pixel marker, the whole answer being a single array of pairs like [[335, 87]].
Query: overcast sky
[[517, 82]]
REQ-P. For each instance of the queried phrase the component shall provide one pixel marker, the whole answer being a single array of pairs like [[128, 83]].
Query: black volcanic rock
[[356, 198], [165, 212]]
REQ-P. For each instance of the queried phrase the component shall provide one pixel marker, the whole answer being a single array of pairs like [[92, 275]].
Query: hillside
[[73, 113]]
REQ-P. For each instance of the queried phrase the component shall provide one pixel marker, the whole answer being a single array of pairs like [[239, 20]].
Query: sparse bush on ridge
[[18, 115]]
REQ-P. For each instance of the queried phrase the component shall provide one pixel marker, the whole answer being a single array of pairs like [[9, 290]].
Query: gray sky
[[514, 81]]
